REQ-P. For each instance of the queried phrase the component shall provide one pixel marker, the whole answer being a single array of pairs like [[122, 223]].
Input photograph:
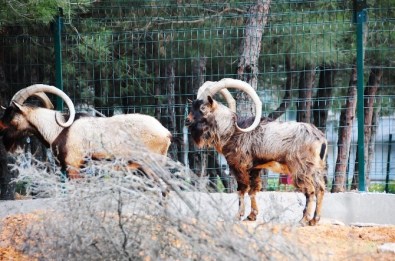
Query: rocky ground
[[326, 241]]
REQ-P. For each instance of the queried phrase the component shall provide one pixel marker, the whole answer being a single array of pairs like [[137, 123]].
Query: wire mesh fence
[[151, 57]]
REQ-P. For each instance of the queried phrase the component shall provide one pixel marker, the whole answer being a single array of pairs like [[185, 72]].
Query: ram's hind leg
[[306, 186], [255, 186], [73, 171], [311, 204], [320, 191]]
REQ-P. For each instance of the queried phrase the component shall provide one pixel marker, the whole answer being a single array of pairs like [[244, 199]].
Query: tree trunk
[[171, 114], [291, 80], [324, 93], [197, 158], [249, 53], [369, 96], [372, 142], [347, 117], [157, 86], [198, 74], [372, 89], [306, 83]]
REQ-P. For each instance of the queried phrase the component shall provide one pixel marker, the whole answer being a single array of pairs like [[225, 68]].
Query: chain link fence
[[151, 57]]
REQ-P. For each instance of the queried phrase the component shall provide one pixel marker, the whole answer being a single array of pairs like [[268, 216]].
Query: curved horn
[[203, 89], [225, 93], [44, 99], [35, 90], [20, 97], [229, 99], [243, 86]]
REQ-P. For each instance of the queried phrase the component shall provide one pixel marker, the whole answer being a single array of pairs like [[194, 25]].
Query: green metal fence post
[[58, 57], [387, 176], [58, 64], [360, 19]]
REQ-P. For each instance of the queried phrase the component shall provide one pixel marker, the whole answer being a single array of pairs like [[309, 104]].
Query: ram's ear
[[3, 108], [212, 102], [19, 107]]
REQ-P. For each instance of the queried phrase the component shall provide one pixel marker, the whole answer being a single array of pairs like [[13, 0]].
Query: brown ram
[[293, 148]]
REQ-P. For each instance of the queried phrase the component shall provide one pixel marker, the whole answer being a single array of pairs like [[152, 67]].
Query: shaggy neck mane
[[221, 128]]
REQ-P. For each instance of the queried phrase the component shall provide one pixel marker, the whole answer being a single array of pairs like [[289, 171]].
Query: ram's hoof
[[314, 221], [239, 217], [304, 222], [252, 215], [251, 218]]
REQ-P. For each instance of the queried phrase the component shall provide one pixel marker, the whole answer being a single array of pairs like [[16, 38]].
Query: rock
[[387, 247], [357, 224], [331, 221]]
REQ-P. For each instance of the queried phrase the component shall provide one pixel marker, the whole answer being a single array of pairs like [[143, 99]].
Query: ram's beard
[[196, 133], [203, 143], [201, 135], [14, 139]]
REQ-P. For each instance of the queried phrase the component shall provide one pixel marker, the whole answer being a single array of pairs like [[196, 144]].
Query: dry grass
[[118, 214]]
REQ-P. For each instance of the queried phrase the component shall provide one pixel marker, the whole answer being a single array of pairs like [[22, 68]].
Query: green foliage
[[111, 63], [378, 187], [115, 47], [17, 12], [312, 32], [119, 56]]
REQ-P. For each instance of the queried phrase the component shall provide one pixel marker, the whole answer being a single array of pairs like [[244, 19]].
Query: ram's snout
[[189, 120], [3, 126]]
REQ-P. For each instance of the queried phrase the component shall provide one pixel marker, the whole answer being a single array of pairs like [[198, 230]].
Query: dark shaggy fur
[[292, 148]]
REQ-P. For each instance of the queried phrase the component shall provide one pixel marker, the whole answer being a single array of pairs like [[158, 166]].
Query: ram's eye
[[203, 108]]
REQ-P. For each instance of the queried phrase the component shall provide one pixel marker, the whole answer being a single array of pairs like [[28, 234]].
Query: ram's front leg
[[243, 185], [242, 207], [73, 166], [255, 186], [73, 173]]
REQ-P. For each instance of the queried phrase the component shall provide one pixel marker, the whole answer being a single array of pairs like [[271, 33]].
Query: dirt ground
[[340, 242], [325, 241]]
